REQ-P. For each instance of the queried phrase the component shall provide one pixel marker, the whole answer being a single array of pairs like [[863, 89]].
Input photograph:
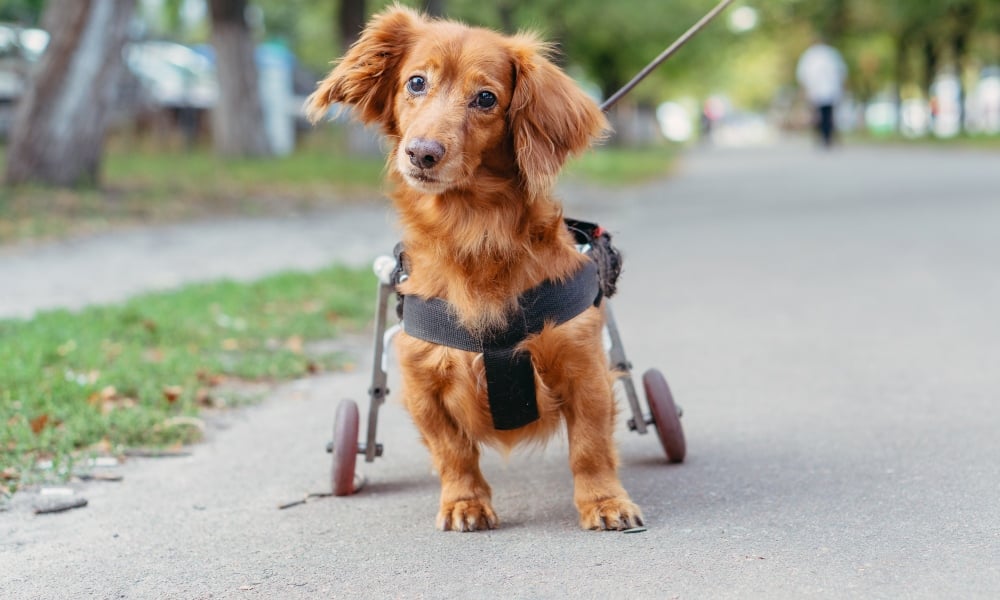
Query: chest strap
[[510, 377]]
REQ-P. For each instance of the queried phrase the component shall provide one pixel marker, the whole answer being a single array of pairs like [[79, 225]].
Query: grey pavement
[[114, 266], [829, 323]]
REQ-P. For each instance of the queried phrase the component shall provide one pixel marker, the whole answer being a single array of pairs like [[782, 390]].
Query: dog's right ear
[[366, 77]]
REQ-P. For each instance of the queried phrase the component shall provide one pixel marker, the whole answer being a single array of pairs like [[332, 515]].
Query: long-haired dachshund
[[481, 125]]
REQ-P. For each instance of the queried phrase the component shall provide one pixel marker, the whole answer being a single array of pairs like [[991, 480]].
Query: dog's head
[[461, 103]]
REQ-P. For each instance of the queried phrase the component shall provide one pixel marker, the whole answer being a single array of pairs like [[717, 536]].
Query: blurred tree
[[61, 122], [26, 12], [434, 8], [237, 121], [961, 23], [352, 21]]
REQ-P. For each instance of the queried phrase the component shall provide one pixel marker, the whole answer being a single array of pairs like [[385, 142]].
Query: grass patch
[[145, 184], [613, 166], [962, 141], [112, 377]]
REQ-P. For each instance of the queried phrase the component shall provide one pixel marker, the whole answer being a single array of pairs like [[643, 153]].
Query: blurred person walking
[[821, 73]]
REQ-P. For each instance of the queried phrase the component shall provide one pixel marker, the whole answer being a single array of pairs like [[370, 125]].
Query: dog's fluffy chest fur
[[480, 256]]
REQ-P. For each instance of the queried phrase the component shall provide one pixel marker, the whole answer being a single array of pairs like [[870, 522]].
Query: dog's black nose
[[424, 153]]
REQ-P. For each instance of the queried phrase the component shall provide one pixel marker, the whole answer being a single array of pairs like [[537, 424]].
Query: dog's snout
[[424, 153]]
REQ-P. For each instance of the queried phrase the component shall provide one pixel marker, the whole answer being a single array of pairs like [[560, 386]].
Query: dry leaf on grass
[[39, 423], [294, 344], [172, 393]]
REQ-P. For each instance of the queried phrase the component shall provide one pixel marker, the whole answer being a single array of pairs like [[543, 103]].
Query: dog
[[480, 125]]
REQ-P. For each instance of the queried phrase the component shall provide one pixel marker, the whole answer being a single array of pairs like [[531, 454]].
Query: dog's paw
[[467, 515], [610, 514]]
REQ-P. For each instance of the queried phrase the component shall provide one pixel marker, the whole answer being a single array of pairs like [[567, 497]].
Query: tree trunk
[[352, 21], [506, 11], [930, 65], [899, 74], [62, 120], [238, 120], [434, 8], [965, 15], [959, 48]]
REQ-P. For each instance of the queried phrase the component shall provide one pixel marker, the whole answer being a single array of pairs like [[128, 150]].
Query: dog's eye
[[485, 100], [416, 85]]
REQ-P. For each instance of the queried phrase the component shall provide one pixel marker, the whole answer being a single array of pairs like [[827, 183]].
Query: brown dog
[[481, 124]]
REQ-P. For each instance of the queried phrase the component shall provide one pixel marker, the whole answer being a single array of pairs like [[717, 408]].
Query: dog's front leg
[[598, 494], [465, 495]]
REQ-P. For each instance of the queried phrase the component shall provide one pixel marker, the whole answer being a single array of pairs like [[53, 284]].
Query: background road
[[829, 323]]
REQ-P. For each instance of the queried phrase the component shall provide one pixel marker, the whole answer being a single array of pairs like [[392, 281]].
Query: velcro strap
[[510, 384]]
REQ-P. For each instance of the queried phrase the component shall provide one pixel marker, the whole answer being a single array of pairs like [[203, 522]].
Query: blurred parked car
[[20, 47], [173, 75]]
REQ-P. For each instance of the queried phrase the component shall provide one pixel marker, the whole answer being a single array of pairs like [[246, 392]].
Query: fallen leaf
[[108, 400], [294, 344], [210, 379], [39, 423], [172, 393], [10, 473], [230, 344], [102, 447], [203, 398]]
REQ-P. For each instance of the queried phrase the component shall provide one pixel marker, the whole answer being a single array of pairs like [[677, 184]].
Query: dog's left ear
[[550, 117], [366, 77]]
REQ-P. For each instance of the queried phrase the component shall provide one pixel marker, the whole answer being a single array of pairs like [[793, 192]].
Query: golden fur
[[480, 227]]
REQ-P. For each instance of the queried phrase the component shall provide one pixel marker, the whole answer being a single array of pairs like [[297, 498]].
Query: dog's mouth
[[422, 177], [424, 181]]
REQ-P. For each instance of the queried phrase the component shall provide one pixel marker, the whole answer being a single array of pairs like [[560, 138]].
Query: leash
[[690, 33]]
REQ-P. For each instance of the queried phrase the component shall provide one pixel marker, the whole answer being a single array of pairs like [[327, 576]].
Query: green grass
[[112, 377], [962, 141], [613, 166], [145, 184]]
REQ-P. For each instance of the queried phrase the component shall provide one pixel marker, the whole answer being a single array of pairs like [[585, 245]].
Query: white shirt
[[822, 71]]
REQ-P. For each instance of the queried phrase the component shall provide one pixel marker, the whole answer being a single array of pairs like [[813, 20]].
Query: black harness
[[510, 377]]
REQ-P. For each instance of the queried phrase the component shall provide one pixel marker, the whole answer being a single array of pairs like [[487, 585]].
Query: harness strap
[[510, 378]]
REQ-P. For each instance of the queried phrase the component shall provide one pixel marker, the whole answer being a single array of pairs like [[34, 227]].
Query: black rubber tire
[[666, 417], [345, 448]]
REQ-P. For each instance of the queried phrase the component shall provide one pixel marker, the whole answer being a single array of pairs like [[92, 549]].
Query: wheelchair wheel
[[666, 417], [345, 448]]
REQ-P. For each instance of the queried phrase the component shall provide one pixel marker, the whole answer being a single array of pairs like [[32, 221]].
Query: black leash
[[690, 33]]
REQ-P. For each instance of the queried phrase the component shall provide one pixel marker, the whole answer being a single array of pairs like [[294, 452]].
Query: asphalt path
[[829, 322]]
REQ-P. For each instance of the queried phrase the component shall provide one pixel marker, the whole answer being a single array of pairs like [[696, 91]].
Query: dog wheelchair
[[663, 415]]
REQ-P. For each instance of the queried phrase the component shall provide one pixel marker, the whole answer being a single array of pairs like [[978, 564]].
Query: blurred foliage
[[26, 12], [886, 44], [889, 45]]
